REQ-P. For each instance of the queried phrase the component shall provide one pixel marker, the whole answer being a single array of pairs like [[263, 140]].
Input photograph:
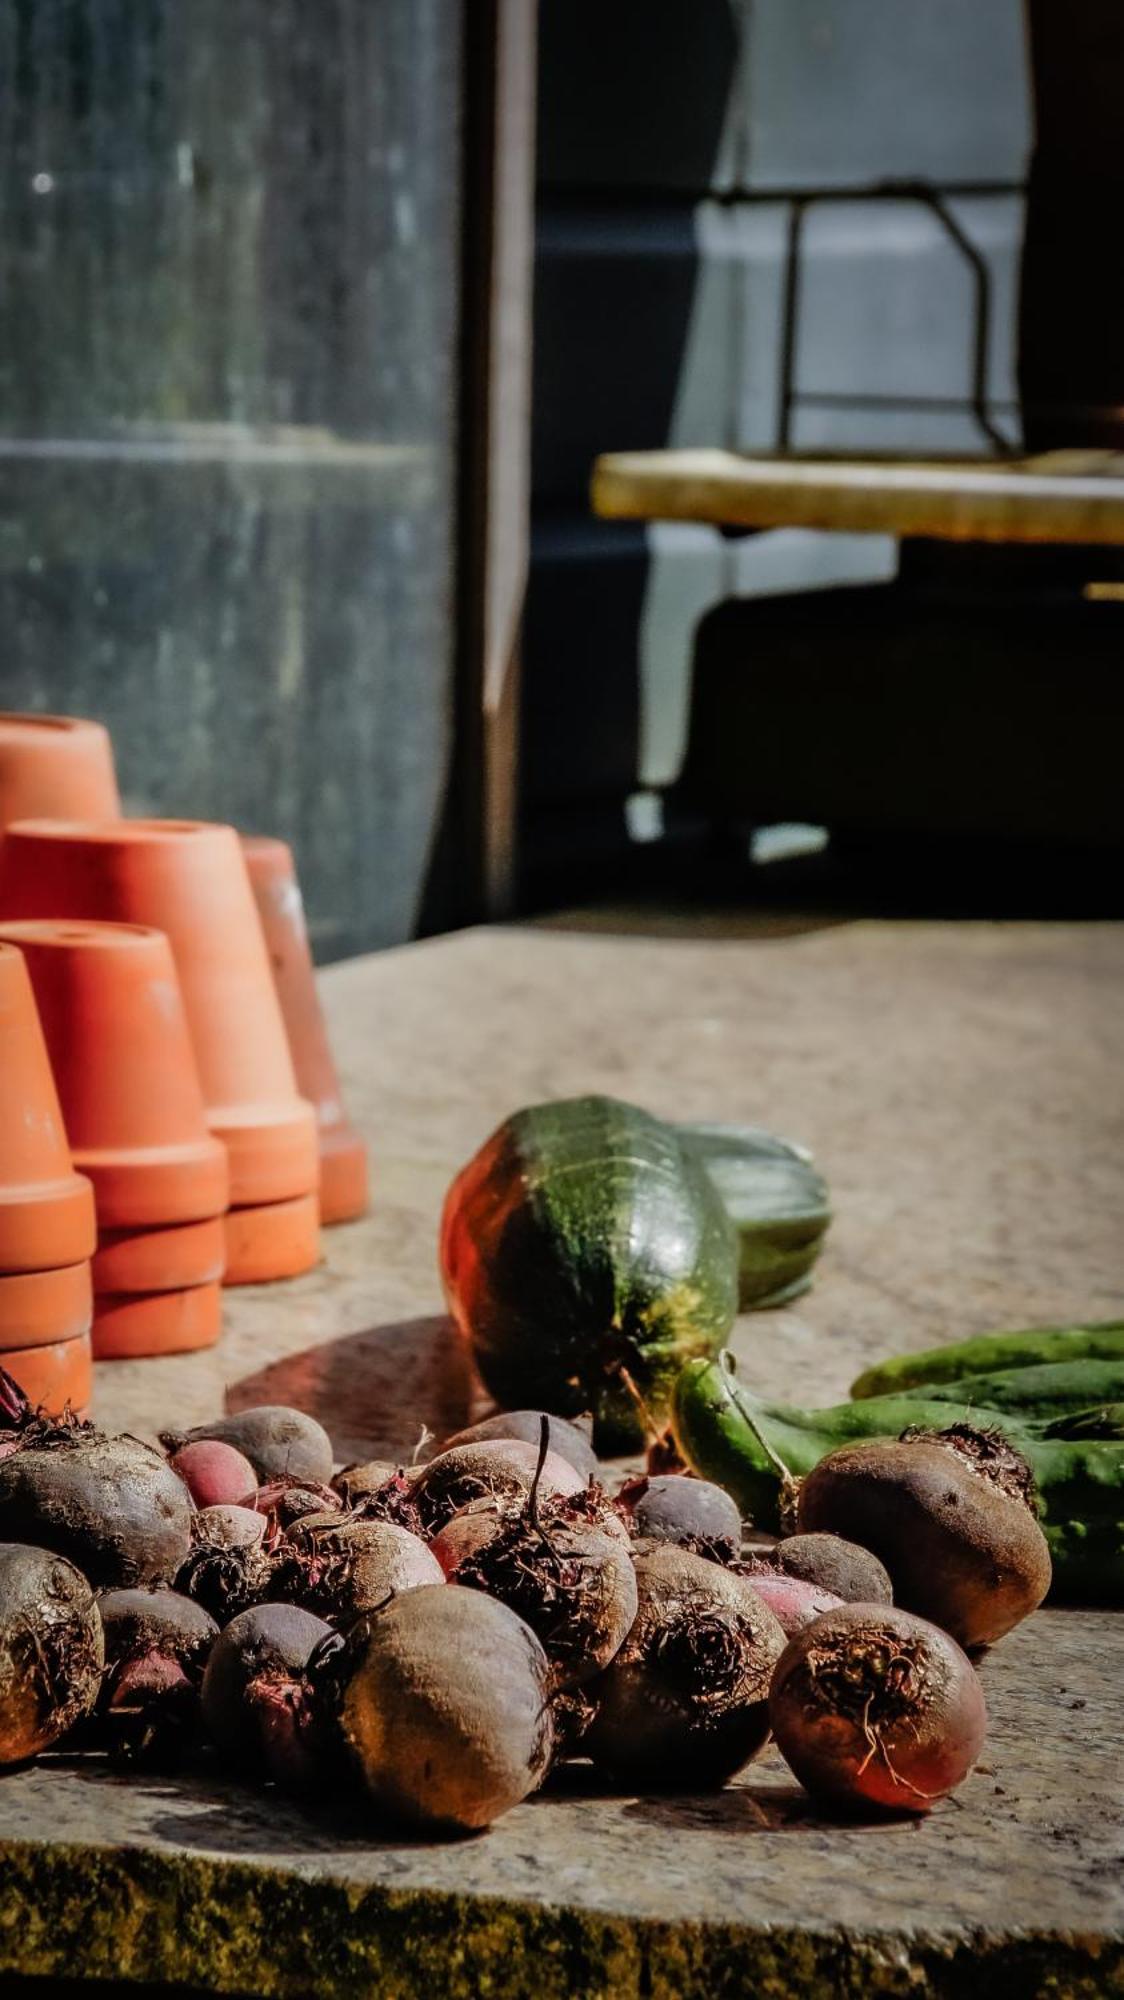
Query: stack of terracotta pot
[[47, 1227], [169, 1004]]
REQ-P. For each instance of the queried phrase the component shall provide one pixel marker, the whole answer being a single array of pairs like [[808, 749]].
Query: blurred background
[[315, 320]]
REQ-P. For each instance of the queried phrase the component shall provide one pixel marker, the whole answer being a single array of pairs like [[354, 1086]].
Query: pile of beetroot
[[436, 1636]]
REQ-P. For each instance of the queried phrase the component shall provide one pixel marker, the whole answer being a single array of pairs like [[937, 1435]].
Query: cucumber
[[586, 1254], [756, 1449], [1032, 1346], [1049, 1389], [777, 1201]]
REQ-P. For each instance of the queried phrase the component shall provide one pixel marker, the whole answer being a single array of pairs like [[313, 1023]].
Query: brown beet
[[685, 1702], [280, 1443], [960, 1547], [442, 1700], [555, 1564], [111, 1505], [566, 1440], [504, 1467], [342, 1565], [51, 1650], [849, 1572], [871, 1705]]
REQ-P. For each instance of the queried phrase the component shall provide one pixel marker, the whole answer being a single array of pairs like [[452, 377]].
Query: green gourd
[[778, 1202], [586, 1254]]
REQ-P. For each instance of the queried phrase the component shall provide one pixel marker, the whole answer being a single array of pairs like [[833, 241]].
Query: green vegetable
[[586, 1255], [778, 1202], [1048, 1390], [756, 1449], [1101, 1340]]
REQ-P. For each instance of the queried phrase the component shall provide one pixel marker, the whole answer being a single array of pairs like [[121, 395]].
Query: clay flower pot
[[343, 1155], [279, 1240], [189, 880], [55, 767], [54, 1378], [117, 1036], [160, 1260], [128, 1325], [46, 1209], [41, 1308]]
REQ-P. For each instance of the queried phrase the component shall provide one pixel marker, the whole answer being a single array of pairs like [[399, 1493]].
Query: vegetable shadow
[[376, 1391]]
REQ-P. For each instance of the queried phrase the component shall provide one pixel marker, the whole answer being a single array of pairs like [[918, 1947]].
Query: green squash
[[586, 1255], [779, 1205]]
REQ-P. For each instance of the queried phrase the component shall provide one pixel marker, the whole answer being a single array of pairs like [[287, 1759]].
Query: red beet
[[214, 1473], [280, 1443], [793, 1601], [872, 1706]]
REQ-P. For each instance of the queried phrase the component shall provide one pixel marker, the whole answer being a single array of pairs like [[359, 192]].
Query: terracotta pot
[[343, 1155], [46, 1209], [40, 1308], [110, 1008], [54, 1378], [129, 1325], [160, 1260], [55, 767], [189, 880], [279, 1240]]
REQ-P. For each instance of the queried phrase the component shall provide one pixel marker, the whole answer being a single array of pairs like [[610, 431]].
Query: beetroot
[[442, 1701], [339, 1566], [567, 1440], [280, 1443], [213, 1472], [252, 1687], [282, 1501], [673, 1507], [505, 1468], [225, 1578], [793, 1601], [230, 1527], [685, 1702], [156, 1648], [111, 1505], [553, 1562], [873, 1706], [51, 1650], [848, 1571], [951, 1518]]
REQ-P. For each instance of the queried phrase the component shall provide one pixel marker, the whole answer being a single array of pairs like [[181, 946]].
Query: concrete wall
[[678, 146], [227, 399]]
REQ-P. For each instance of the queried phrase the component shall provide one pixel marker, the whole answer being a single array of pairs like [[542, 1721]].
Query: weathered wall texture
[[227, 396]]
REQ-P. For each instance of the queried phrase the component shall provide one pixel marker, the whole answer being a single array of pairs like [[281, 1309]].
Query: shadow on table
[[375, 1390]]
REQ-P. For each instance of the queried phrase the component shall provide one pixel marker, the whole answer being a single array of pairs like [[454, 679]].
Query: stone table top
[[961, 1088]]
